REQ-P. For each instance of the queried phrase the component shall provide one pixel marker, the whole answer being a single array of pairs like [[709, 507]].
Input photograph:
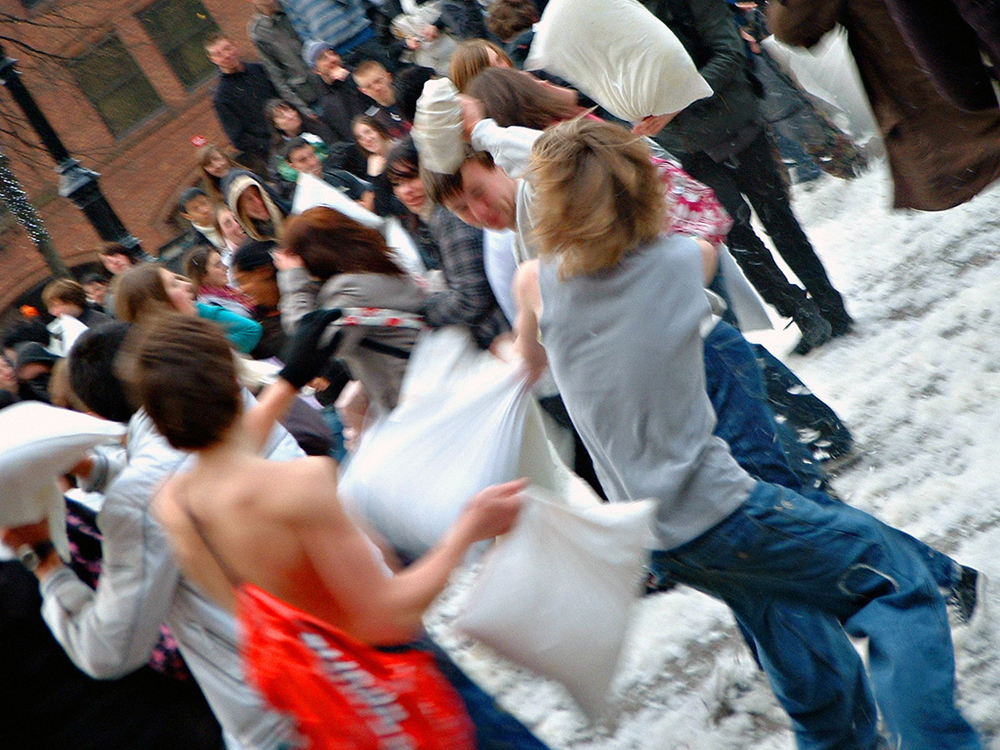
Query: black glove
[[308, 351]]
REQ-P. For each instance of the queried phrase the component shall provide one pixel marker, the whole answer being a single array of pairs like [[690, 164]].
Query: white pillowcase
[[556, 594], [38, 443], [619, 54]]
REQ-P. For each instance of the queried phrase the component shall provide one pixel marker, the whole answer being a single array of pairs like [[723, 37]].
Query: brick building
[[126, 85]]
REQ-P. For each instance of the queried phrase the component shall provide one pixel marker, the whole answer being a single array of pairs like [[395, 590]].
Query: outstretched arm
[[529, 312]]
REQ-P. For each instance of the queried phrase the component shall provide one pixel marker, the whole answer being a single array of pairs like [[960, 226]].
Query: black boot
[[816, 330]]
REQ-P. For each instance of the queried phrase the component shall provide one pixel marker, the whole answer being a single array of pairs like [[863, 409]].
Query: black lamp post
[[76, 183]]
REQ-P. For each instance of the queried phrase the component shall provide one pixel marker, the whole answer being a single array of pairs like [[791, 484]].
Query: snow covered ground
[[919, 385]]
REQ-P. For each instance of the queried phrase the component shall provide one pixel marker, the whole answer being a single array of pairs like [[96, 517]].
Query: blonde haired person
[[618, 320], [472, 57]]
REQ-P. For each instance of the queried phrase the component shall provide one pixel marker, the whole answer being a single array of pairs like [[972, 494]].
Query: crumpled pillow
[[556, 594], [437, 127], [619, 54]]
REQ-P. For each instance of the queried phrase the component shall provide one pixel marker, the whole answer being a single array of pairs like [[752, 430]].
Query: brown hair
[[182, 371], [140, 294], [114, 248], [373, 124], [196, 263], [597, 195], [65, 290], [471, 58], [368, 66], [512, 97], [214, 38], [210, 183], [508, 18], [330, 243], [441, 187]]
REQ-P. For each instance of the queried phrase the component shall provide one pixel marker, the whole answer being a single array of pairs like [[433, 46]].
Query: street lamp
[[76, 183]]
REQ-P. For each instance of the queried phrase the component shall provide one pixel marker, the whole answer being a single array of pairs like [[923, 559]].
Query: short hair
[[92, 374], [195, 263], [214, 38], [140, 294], [188, 195], [25, 330], [181, 370], [368, 66], [114, 248], [330, 243], [65, 290], [471, 58], [508, 18], [597, 195], [94, 278], [293, 144], [409, 85], [254, 254], [403, 160], [512, 97], [440, 187]]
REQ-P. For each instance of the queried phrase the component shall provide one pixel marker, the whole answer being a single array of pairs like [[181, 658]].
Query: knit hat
[[31, 352], [311, 51]]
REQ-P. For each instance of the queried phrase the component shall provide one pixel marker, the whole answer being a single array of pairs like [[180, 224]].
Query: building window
[[178, 29], [115, 84]]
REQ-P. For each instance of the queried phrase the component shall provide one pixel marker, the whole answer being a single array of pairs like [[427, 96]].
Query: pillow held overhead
[[619, 54]]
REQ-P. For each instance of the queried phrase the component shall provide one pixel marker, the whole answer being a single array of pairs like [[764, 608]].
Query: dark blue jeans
[[800, 577], [496, 729]]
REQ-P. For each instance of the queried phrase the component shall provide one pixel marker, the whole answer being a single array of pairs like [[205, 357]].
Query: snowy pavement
[[918, 383]]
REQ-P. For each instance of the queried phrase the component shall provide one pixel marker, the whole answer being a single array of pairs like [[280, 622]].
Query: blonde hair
[[471, 58], [597, 195]]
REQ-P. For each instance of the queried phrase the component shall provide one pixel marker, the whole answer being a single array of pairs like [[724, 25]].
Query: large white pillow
[[619, 54], [556, 594], [38, 443]]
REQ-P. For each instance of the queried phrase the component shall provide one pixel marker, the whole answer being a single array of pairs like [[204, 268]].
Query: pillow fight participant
[[722, 141], [473, 57], [301, 156], [484, 195], [68, 297], [296, 554], [409, 85], [111, 631], [210, 279], [148, 290], [240, 94], [512, 22], [355, 269], [614, 300]]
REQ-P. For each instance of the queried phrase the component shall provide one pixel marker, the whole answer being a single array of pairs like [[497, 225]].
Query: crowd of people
[[211, 559]]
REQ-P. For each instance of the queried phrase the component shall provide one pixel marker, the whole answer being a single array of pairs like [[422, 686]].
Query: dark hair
[[115, 248], [25, 330], [92, 373], [293, 144], [189, 195], [254, 254], [373, 124], [441, 187], [511, 97], [403, 160], [140, 293], [330, 243], [94, 278], [214, 38], [508, 18], [409, 85], [182, 371], [195, 263]]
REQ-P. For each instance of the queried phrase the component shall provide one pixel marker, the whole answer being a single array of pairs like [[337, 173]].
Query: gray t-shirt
[[625, 349]]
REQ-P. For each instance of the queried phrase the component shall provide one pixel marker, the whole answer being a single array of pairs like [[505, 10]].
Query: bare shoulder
[[303, 489], [166, 505]]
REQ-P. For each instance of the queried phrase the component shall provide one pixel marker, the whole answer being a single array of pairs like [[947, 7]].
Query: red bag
[[344, 694], [693, 206]]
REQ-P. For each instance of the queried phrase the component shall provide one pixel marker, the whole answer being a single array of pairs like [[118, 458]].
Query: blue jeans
[[496, 729], [800, 576]]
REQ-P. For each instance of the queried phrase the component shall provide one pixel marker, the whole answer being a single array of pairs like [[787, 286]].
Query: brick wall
[[142, 172]]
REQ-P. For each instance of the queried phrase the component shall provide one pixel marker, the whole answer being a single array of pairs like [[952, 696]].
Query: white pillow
[[437, 127], [38, 443], [556, 594], [619, 54]]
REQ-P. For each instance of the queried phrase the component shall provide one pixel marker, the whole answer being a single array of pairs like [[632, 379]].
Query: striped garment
[[340, 23]]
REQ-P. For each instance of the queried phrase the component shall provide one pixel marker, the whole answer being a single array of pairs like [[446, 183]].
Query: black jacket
[[239, 101]]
